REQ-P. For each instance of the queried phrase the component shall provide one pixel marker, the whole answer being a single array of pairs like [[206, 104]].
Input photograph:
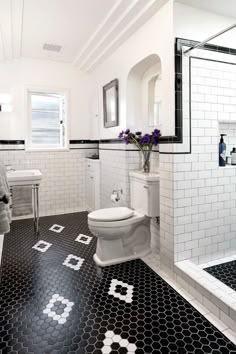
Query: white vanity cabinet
[[92, 184]]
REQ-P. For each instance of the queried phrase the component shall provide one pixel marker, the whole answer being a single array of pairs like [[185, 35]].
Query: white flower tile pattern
[[50, 309], [111, 338], [117, 290], [42, 246], [79, 261], [84, 239], [57, 228]]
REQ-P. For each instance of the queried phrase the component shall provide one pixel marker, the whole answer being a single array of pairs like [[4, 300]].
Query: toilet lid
[[111, 214]]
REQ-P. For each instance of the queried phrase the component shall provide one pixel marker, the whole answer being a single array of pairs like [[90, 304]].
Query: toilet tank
[[145, 192]]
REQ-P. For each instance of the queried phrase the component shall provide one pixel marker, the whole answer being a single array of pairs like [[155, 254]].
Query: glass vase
[[146, 160]]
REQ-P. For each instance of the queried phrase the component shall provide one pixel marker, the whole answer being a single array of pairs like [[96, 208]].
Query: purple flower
[[155, 140], [120, 136], [156, 133], [126, 140], [146, 139]]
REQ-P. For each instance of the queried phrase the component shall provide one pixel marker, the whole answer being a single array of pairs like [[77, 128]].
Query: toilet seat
[[134, 218], [111, 214]]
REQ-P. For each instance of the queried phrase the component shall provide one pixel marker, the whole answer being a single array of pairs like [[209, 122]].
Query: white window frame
[[46, 91]]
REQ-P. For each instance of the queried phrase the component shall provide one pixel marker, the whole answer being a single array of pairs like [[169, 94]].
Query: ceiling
[[87, 30], [221, 7]]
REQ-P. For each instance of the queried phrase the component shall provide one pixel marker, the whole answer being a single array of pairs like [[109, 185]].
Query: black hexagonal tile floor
[[225, 272], [49, 307]]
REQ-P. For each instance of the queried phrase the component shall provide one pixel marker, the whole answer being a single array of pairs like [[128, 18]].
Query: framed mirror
[[111, 104]]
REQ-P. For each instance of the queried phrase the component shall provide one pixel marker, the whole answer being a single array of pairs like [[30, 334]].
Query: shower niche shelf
[[228, 127]]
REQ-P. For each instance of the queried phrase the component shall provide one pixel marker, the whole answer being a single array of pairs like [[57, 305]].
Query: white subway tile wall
[[63, 184], [166, 210], [204, 193]]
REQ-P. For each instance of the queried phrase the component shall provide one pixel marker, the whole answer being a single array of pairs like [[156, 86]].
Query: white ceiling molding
[[95, 35], [2, 54], [126, 19], [6, 29], [107, 29], [17, 12]]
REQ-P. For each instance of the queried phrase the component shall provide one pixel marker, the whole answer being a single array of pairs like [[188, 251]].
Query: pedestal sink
[[24, 177], [27, 178]]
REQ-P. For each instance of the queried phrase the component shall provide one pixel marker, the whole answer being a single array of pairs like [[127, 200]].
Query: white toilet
[[124, 234]]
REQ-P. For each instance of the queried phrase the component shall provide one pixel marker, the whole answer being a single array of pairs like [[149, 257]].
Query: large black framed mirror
[[111, 104]]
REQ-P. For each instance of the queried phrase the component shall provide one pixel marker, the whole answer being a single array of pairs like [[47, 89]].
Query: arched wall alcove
[[144, 94]]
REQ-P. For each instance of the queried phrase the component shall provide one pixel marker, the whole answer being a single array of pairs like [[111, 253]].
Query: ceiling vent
[[52, 47]]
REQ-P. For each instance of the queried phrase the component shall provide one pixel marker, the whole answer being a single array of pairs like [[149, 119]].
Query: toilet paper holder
[[118, 192]]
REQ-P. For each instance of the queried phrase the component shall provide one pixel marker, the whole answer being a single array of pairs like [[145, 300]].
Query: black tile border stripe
[[12, 142], [22, 142], [84, 142]]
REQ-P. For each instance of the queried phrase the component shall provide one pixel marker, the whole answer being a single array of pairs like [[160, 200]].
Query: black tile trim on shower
[[215, 48]]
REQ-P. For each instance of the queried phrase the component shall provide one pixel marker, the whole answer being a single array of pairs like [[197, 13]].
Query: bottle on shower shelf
[[233, 156], [222, 151]]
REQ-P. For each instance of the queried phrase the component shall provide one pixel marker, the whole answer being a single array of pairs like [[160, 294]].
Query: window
[[47, 118]]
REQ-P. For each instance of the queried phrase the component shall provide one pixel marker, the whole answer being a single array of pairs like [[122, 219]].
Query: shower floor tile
[[225, 272], [47, 307]]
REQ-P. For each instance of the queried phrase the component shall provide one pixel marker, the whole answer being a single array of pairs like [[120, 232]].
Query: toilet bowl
[[123, 234]]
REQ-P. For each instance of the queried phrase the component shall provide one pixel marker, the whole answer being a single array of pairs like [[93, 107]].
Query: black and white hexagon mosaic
[[47, 306], [225, 272]]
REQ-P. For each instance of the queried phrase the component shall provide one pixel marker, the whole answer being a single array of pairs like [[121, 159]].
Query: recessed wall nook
[[118, 177]]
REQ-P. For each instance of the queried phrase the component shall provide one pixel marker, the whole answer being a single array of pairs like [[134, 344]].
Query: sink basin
[[24, 177]]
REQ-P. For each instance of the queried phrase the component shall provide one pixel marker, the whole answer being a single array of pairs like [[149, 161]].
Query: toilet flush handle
[[146, 187]]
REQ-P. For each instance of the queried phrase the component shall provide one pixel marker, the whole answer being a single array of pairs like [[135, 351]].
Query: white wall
[[18, 74], [155, 37], [63, 184], [197, 24]]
